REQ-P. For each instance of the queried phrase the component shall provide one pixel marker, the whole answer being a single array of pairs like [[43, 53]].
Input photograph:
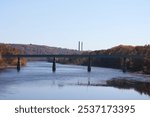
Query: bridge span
[[54, 56]]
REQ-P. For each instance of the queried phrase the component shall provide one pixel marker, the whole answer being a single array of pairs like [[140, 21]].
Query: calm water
[[36, 81]]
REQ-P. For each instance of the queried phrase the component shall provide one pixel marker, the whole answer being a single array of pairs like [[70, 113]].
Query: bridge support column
[[54, 65], [18, 64], [124, 69], [89, 65]]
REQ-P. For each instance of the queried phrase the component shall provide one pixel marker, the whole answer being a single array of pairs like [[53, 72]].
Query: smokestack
[[79, 46]]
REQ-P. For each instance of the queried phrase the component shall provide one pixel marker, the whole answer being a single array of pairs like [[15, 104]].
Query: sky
[[100, 24]]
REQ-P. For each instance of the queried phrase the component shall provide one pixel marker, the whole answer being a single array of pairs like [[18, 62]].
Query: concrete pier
[[18, 64], [54, 65], [89, 64]]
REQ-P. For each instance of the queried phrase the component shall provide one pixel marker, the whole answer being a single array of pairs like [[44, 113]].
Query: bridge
[[89, 56]]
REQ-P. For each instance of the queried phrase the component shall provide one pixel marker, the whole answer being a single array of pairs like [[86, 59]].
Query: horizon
[[98, 24]]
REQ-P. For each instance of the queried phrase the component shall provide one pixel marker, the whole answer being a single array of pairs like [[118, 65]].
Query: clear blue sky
[[99, 24]]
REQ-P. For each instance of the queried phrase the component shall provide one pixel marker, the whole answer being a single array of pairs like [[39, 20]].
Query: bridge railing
[[73, 56]]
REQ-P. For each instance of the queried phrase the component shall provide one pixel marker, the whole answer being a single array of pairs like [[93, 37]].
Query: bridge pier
[[18, 64], [124, 69], [89, 65], [54, 65]]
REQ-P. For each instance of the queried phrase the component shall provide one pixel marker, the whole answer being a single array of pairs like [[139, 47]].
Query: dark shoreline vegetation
[[142, 87], [133, 65]]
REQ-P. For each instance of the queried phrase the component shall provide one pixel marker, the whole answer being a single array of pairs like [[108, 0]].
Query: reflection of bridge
[[72, 56]]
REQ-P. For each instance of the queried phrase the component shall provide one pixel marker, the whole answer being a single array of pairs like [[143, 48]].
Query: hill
[[126, 50], [41, 49], [139, 65]]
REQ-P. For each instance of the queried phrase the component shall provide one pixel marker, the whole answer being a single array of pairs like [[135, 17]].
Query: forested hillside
[[41, 49], [140, 65]]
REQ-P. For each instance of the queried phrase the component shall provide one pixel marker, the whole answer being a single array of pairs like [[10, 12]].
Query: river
[[36, 81]]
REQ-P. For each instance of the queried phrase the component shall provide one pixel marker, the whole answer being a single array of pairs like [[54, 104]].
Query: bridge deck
[[72, 56]]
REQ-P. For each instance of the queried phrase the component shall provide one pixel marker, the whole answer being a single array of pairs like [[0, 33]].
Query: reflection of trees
[[141, 87]]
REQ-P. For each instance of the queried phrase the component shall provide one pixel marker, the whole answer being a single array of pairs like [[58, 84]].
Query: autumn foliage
[[5, 62], [133, 64]]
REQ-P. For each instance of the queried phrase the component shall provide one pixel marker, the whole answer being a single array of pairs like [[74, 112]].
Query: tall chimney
[[79, 46]]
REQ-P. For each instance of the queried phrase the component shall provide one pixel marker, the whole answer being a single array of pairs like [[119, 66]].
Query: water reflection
[[141, 87], [122, 83], [89, 79]]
